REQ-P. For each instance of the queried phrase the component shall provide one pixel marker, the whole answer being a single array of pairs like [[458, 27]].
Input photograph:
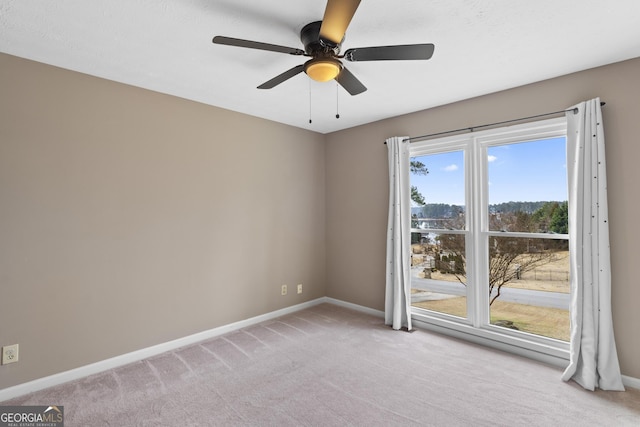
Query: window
[[489, 234]]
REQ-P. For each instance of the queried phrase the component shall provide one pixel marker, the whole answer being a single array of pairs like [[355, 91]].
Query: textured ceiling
[[165, 46]]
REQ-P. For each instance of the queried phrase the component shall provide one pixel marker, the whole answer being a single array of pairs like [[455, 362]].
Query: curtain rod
[[472, 128]]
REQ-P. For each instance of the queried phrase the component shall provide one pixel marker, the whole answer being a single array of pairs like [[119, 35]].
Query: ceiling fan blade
[[229, 41], [390, 53], [282, 77], [337, 16], [349, 82]]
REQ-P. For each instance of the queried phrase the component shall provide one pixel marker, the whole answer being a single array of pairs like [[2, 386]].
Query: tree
[[417, 168], [416, 196], [553, 217], [509, 258], [560, 219]]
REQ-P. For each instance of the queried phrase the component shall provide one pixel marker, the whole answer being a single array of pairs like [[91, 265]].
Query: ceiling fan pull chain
[[310, 121], [337, 102]]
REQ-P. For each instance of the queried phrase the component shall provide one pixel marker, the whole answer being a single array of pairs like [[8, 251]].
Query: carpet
[[331, 366]]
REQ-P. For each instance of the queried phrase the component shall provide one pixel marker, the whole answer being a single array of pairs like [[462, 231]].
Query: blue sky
[[522, 172]]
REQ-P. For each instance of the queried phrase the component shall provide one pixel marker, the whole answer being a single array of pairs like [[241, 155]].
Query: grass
[[545, 321]]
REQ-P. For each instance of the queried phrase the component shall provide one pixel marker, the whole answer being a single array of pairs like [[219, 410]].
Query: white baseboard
[[145, 353], [355, 307], [631, 382]]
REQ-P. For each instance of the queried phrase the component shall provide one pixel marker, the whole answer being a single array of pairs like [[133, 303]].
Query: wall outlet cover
[[9, 354]]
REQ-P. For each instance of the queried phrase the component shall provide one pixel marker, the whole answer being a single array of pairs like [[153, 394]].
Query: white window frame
[[476, 326]]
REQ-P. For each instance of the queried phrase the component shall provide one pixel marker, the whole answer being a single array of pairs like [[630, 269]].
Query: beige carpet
[[329, 366]]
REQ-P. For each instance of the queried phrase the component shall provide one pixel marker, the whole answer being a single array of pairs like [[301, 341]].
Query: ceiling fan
[[322, 41]]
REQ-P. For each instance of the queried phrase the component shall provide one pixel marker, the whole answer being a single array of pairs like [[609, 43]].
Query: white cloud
[[450, 168], [491, 158]]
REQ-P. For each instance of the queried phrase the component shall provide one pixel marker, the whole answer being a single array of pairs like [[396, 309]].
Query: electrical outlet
[[9, 354], [299, 288], [284, 289]]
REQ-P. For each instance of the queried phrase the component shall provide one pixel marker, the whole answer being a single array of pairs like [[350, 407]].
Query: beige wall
[[357, 186], [130, 218]]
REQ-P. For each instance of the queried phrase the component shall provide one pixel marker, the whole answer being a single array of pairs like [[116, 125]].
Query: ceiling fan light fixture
[[323, 69]]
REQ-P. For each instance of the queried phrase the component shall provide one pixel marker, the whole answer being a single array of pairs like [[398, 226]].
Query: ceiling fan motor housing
[[313, 45]]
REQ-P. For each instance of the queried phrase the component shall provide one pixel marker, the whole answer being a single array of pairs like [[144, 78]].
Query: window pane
[[437, 191], [529, 285], [438, 278], [528, 187]]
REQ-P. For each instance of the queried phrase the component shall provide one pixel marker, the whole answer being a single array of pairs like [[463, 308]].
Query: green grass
[[545, 321]]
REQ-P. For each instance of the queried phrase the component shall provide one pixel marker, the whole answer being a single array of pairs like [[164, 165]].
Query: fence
[[546, 275]]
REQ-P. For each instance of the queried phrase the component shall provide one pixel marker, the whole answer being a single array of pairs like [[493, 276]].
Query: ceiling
[[482, 46]]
